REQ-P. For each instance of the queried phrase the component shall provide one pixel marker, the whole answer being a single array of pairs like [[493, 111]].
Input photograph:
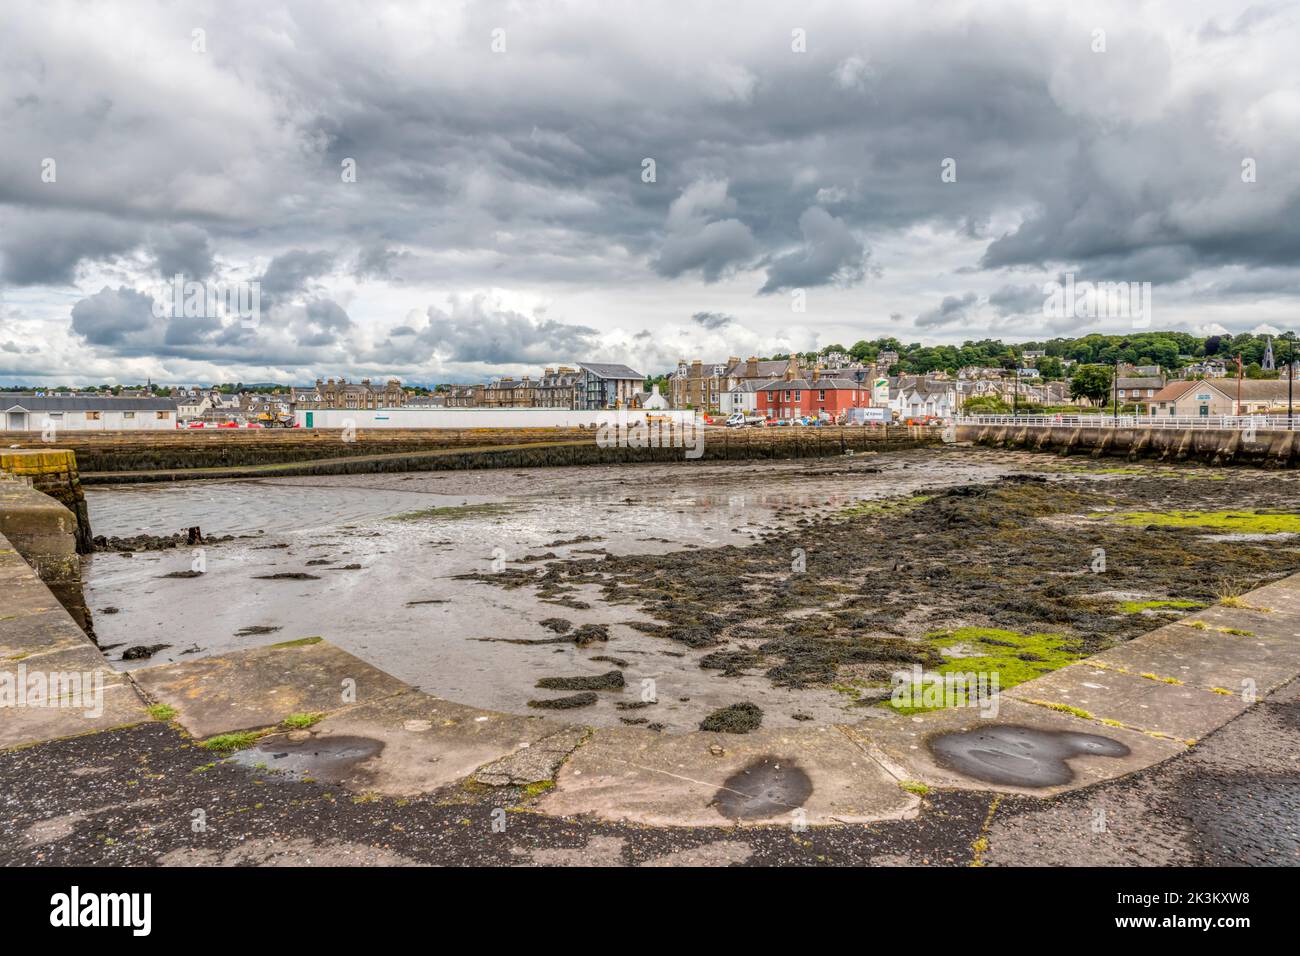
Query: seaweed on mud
[[590, 633], [585, 699], [731, 663], [610, 680], [557, 624], [1018, 554], [734, 719]]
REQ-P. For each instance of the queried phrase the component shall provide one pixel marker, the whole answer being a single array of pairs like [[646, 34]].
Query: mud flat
[[799, 587]]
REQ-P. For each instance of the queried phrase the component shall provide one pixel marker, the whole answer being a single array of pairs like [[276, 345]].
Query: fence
[[1180, 422]]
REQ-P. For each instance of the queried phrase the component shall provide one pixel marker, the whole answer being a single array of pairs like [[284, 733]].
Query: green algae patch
[[300, 642], [301, 721], [883, 507], [229, 743], [1013, 657], [163, 712], [1245, 522], [451, 512], [1137, 607]]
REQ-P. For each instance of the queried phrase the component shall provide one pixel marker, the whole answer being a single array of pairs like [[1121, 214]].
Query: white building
[[741, 397], [84, 413]]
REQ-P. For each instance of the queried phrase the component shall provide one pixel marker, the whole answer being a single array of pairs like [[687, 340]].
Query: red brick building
[[812, 397]]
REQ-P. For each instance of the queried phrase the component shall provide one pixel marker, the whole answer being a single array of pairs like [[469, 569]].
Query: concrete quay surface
[[303, 752]]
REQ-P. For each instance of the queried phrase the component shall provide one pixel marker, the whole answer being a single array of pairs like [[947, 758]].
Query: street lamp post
[[1115, 392], [1290, 385]]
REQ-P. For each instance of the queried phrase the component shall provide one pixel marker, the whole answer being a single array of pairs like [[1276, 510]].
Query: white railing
[[1236, 422]]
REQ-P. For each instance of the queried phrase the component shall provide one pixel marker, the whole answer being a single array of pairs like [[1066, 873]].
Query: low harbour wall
[[1217, 446], [44, 534], [54, 472], [127, 457]]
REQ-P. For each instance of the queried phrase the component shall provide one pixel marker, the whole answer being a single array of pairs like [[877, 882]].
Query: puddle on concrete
[[1018, 756], [768, 787], [330, 760]]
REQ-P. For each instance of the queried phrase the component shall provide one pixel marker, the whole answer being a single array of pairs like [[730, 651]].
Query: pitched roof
[[1174, 391], [804, 384], [610, 370], [1142, 381], [772, 368], [77, 403], [1252, 389]]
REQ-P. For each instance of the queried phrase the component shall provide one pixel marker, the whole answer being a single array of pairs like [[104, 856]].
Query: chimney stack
[[751, 367], [816, 372]]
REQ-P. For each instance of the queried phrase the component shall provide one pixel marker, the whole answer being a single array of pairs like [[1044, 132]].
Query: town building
[[464, 396], [812, 397], [1138, 390], [81, 413], [329, 393], [1221, 396], [607, 385], [742, 396], [702, 386]]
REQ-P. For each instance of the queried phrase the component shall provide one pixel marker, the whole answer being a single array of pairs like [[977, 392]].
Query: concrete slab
[[118, 705], [409, 744], [816, 775], [1208, 659], [39, 629], [903, 746], [1181, 711], [260, 687]]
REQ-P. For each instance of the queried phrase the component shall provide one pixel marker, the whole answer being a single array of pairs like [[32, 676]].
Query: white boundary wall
[[480, 417]]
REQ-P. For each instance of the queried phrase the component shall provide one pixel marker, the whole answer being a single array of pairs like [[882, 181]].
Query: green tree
[[1091, 382]]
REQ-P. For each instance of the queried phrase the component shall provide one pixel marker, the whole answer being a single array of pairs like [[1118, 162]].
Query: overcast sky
[[500, 219]]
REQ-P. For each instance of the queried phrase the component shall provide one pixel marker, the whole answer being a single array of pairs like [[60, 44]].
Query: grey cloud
[[113, 316], [183, 249], [46, 249], [712, 320], [952, 310], [290, 272], [1017, 299], [830, 253], [476, 330]]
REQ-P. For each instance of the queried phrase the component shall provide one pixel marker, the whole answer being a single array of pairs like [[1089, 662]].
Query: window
[[162, 416], [92, 416], [128, 414], [798, 396], [821, 394]]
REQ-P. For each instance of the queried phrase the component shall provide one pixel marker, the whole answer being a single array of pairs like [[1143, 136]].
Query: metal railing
[[1237, 422]]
